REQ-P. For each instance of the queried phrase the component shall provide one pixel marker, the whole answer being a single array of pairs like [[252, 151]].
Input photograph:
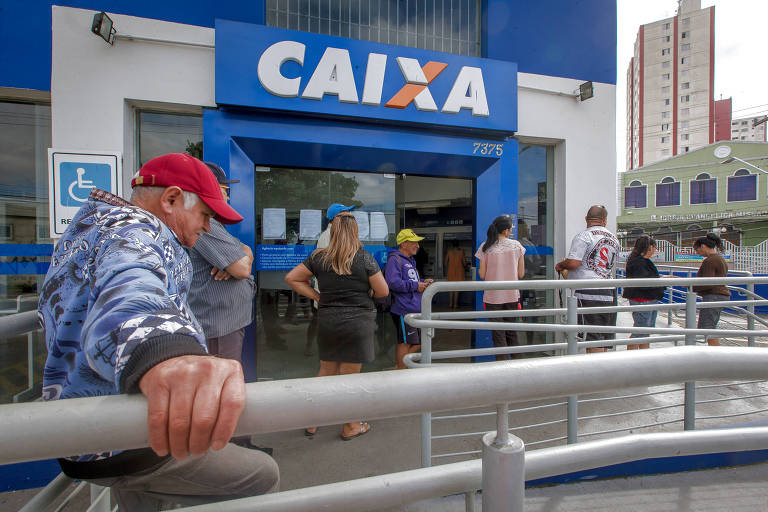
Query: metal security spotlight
[[585, 91], [103, 27]]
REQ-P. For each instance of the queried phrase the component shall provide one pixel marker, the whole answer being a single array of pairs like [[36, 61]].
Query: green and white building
[[722, 187]]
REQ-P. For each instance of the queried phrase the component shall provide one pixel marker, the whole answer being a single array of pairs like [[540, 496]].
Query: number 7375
[[485, 148]]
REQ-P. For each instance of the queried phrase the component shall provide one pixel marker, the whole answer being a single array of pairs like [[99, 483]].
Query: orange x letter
[[415, 89]]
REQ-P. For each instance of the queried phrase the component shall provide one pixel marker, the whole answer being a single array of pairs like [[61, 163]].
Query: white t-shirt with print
[[598, 250]]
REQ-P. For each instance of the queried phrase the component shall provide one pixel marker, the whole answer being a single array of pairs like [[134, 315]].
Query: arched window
[[635, 195], [742, 186], [668, 192], [703, 189]]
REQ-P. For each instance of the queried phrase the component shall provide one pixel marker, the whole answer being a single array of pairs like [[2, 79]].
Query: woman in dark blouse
[[639, 265], [346, 273]]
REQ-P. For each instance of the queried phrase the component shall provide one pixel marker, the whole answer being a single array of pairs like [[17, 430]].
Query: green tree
[[295, 189], [195, 149]]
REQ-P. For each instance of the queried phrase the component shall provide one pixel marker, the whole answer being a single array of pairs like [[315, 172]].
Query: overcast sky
[[740, 54]]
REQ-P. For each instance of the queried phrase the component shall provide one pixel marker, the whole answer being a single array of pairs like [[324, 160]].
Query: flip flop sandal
[[309, 433], [365, 427]]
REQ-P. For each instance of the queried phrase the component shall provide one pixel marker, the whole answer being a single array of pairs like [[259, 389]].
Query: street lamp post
[[733, 158]]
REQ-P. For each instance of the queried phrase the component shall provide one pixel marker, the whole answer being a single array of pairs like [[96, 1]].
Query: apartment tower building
[[670, 81], [749, 129]]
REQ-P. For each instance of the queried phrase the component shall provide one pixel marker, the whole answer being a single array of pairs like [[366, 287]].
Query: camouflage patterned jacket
[[113, 303]]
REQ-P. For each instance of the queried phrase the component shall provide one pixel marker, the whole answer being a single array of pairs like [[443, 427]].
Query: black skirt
[[345, 334]]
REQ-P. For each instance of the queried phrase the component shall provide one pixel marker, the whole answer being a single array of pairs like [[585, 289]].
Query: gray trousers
[[229, 346], [230, 473]]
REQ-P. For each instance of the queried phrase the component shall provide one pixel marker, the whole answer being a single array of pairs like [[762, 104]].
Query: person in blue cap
[[325, 237]]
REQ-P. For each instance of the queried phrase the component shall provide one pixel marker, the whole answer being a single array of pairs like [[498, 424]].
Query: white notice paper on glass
[[362, 224], [310, 224], [274, 223], [378, 228]]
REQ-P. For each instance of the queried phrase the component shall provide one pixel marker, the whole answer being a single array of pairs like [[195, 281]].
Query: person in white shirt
[[593, 255]]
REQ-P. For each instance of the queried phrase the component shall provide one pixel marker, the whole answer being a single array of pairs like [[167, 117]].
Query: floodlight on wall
[[586, 91], [103, 27]]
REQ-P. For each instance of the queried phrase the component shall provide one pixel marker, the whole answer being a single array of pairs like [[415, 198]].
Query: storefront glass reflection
[[535, 229], [25, 246], [162, 133], [291, 205]]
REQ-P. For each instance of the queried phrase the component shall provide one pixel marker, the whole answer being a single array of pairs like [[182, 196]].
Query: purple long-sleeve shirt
[[403, 281]]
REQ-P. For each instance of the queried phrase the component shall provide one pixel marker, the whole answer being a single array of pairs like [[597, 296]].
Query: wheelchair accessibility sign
[[71, 177]]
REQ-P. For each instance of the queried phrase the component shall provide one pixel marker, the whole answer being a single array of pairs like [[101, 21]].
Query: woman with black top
[[346, 275], [639, 265], [713, 266]]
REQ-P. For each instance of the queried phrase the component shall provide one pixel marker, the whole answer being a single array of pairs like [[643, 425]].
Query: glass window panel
[[742, 188], [668, 194], [535, 228], [161, 133], [25, 246], [703, 191], [446, 26], [635, 197]]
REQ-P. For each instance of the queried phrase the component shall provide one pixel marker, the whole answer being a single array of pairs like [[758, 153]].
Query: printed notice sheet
[[378, 227], [362, 224], [274, 223], [310, 224]]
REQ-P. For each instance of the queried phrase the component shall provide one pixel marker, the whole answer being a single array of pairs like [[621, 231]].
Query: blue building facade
[[438, 118]]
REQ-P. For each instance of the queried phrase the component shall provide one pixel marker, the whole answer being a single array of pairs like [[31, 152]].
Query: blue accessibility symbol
[[78, 178]]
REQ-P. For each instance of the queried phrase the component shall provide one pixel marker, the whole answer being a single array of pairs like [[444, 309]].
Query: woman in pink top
[[501, 259]]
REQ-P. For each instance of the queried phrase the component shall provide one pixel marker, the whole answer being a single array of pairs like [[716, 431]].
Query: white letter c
[[268, 69]]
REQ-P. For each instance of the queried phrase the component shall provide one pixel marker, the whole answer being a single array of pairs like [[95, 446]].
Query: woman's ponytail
[[499, 224]]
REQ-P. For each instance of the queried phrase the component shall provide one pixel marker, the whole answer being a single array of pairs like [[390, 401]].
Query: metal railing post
[[503, 467], [469, 501], [573, 348], [100, 499], [689, 415], [750, 318], [426, 358]]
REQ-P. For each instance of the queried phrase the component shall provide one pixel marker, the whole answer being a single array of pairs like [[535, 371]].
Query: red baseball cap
[[190, 174]]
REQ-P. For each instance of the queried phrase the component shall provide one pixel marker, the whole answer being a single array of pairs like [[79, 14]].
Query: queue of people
[[131, 304]]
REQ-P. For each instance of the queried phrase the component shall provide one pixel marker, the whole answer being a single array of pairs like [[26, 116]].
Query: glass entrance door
[[440, 210], [290, 215]]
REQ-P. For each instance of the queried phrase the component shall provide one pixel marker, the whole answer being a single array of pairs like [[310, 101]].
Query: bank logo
[[333, 75], [78, 178]]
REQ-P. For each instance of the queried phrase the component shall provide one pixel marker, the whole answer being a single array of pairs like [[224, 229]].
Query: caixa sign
[[279, 69]]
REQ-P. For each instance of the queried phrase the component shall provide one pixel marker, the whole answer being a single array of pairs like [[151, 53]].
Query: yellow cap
[[407, 235]]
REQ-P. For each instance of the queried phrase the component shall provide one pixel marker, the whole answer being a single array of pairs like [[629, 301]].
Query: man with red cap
[[114, 308]]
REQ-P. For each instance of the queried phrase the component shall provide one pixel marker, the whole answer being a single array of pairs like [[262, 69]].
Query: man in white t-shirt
[[593, 255]]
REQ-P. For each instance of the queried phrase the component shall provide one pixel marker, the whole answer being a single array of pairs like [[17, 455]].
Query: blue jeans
[[643, 318]]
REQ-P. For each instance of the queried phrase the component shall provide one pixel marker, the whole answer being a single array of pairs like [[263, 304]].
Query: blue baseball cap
[[337, 208]]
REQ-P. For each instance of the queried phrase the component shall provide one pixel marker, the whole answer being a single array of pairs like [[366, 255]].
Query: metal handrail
[[119, 422], [374, 493], [19, 323], [428, 321]]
